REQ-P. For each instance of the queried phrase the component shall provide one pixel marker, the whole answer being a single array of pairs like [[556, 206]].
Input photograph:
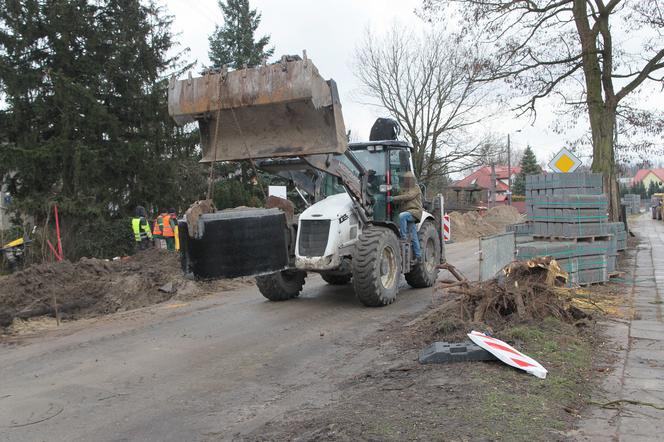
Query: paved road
[[206, 370]]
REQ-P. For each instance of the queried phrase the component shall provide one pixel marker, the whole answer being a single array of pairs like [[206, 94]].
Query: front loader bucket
[[279, 110]]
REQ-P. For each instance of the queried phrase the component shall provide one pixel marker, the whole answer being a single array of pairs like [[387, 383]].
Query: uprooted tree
[[427, 82], [577, 49]]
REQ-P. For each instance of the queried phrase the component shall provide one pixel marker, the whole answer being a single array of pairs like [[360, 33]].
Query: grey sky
[[329, 31]]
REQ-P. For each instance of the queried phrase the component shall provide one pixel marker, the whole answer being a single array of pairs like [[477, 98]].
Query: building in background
[[648, 176], [474, 191]]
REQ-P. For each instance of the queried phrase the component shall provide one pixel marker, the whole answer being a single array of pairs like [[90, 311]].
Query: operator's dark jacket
[[410, 200]]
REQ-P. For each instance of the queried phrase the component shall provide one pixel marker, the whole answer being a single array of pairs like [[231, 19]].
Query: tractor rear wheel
[[337, 278], [377, 267], [281, 286], [425, 273]]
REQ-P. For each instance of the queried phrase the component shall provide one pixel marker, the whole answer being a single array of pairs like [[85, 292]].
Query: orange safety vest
[[167, 231], [156, 230]]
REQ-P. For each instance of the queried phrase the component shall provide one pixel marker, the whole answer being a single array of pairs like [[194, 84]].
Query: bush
[[99, 238]]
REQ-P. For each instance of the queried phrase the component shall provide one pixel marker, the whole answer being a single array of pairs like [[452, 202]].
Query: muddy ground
[[400, 399], [93, 287]]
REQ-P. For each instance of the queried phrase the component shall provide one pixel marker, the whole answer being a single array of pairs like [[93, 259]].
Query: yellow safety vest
[[140, 232]]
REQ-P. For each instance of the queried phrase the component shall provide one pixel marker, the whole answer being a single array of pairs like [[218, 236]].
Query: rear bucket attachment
[[284, 109], [236, 242]]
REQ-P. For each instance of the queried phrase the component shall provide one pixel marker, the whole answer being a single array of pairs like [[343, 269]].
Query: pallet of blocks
[[567, 217]]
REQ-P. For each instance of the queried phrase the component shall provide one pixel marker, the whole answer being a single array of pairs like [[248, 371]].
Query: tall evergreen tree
[[529, 166], [234, 43], [86, 123]]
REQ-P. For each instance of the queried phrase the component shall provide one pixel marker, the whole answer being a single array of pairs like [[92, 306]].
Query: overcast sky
[[329, 31]]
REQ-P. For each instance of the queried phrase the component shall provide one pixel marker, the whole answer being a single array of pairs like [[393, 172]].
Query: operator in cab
[[409, 201]]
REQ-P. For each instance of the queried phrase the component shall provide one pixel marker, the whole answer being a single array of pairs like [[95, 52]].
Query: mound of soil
[[92, 287], [472, 225]]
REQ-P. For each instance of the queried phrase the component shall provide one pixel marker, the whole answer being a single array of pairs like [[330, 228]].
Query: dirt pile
[[92, 287], [472, 225]]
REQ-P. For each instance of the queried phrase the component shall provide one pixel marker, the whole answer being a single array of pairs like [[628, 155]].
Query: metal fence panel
[[496, 251]]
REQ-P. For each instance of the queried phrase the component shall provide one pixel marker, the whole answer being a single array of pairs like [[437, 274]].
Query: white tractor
[[289, 119]]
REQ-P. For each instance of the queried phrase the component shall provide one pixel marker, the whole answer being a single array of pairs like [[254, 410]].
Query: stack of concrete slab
[[567, 214], [570, 216], [619, 238], [520, 229], [585, 262], [561, 185], [633, 203]]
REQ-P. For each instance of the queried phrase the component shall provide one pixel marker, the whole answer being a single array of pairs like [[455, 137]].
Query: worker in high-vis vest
[[174, 217], [168, 229], [141, 228], [157, 230]]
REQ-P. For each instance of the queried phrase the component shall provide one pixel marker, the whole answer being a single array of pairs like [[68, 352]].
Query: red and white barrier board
[[508, 354], [447, 228]]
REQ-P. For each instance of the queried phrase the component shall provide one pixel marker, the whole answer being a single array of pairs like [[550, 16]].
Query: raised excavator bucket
[[284, 109]]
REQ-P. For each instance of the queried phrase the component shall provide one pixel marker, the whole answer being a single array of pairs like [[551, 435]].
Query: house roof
[[642, 173], [482, 178]]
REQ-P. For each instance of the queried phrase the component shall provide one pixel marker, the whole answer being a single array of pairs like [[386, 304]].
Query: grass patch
[[522, 407]]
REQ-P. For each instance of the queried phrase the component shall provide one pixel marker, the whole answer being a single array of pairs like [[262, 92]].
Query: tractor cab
[[386, 162]]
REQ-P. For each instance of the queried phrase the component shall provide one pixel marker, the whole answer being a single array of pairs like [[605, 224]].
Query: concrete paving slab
[[645, 372], [646, 344], [642, 356], [648, 315], [640, 429], [646, 333], [646, 384], [639, 394], [612, 386]]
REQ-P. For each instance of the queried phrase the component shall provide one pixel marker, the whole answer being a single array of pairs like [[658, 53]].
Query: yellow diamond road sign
[[565, 162]]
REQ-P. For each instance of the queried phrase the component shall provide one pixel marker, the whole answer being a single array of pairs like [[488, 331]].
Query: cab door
[[399, 162]]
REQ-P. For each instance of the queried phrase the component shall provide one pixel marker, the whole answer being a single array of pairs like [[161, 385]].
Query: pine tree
[[529, 166], [233, 43], [85, 124]]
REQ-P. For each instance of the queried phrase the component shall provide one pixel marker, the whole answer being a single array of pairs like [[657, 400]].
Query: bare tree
[[571, 48], [427, 82]]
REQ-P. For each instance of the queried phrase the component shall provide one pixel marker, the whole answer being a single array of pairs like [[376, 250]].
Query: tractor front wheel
[[377, 267]]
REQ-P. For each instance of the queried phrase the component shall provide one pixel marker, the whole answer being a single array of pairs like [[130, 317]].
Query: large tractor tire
[[377, 267], [281, 286], [425, 273], [337, 278]]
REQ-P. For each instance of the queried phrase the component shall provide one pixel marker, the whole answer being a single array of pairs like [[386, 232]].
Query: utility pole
[[509, 172], [492, 200]]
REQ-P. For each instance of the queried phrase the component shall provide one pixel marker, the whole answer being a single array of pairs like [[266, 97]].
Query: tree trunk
[[602, 124], [601, 107]]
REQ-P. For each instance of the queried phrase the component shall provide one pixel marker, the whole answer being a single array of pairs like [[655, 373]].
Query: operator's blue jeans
[[404, 219]]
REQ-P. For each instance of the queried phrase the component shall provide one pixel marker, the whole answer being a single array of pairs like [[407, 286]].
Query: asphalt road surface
[[212, 369]]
